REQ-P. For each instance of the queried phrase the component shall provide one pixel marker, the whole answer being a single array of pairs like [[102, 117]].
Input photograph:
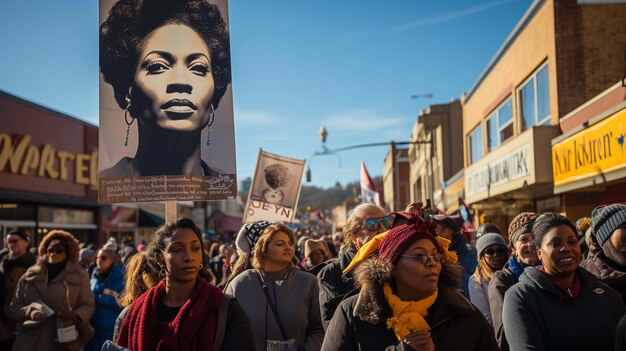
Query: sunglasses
[[423, 259], [372, 224], [57, 250], [103, 258], [493, 252]]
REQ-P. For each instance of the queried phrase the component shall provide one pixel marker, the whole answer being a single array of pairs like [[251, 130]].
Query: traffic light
[[308, 175]]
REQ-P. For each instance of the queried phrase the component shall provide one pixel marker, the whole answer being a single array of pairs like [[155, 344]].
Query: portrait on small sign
[[275, 188]]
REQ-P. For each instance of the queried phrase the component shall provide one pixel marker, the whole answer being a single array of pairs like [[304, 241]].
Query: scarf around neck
[[408, 316], [192, 329]]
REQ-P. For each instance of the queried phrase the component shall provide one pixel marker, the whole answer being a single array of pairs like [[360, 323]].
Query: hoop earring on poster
[[211, 119], [128, 124]]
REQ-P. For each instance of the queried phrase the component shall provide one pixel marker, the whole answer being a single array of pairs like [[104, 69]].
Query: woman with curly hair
[[168, 62], [56, 282], [408, 298], [183, 311]]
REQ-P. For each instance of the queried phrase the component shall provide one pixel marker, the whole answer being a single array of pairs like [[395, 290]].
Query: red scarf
[[193, 329]]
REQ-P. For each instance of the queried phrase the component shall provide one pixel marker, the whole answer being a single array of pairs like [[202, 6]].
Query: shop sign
[[593, 151], [19, 156], [509, 167]]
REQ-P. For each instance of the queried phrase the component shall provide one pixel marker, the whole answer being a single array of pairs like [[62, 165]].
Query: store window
[[500, 125], [534, 98], [475, 143]]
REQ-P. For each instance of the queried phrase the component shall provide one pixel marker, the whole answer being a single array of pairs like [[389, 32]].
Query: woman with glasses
[[364, 222], [492, 255], [408, 298], [55, 291], [107, 282]]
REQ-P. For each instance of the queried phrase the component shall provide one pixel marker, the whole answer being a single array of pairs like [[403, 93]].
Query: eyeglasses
[[56, 250], [372, 224], [493, 252], [423, 259], [103, 258]]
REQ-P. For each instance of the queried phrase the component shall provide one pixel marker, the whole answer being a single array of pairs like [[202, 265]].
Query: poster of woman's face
[[275, 188], [166, 109]]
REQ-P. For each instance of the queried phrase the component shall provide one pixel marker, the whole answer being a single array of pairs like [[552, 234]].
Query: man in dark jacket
[[450, 228], [12, 266], [333, 284], [607, 252]]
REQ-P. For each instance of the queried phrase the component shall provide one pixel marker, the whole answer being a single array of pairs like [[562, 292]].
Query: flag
[[368, 189]]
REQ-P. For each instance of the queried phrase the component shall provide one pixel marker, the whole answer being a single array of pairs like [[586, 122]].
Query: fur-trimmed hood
[[373, 273]]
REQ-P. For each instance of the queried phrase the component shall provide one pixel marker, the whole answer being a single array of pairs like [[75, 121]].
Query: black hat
[[605, 219], [24, 234]]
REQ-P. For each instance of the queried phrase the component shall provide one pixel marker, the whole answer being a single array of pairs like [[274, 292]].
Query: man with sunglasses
[[12, 266], [364, 222]]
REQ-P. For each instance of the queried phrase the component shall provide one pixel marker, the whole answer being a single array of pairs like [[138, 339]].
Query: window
[[475, 141], [500, 125], [534, 97]]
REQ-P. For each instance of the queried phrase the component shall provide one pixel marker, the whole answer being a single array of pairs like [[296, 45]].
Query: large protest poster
[[275, 189], [166, 109]]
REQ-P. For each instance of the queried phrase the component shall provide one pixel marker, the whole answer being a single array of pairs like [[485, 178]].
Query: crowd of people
[[411, 280]]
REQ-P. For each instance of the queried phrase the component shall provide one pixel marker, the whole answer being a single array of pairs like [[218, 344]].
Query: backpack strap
[[221, 322]]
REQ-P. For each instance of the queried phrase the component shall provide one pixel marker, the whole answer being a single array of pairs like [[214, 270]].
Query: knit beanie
[[110, 246], [21, 233], [522, 223], [487, 240], [398, 240], [249, 234], [605, 220]]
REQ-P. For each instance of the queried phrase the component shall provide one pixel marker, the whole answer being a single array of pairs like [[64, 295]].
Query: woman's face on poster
[[174, 84]]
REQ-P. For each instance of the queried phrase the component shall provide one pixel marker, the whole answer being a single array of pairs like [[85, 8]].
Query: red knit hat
[[398, 239]]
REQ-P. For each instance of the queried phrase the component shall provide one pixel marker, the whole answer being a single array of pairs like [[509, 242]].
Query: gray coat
[[537, 316], [34, 288], [296, 299]]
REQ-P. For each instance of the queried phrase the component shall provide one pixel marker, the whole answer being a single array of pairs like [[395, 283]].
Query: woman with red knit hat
[[408, 298]]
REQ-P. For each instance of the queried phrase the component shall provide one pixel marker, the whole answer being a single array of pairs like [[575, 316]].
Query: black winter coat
[[501, 281], [456, 325], [607, 271], [334, 285], [538, 317], [359, 324]]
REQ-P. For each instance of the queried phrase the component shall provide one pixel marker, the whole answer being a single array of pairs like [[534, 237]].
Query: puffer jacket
[[606, 270], [107, 308], [468, 259], [334, 286], [33, 288], [360, 321], [538, 316]]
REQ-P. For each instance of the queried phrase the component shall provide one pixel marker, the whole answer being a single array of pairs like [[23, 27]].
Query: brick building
[[396, 178], [560, 55]]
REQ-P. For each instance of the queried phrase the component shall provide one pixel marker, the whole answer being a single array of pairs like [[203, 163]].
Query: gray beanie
[[606, 219], [487, 240]]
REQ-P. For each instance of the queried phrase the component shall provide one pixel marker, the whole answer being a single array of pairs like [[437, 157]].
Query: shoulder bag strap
[[221, 322], [272, 307]]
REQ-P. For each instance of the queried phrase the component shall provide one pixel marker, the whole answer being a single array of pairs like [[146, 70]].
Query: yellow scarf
[[408, 316]]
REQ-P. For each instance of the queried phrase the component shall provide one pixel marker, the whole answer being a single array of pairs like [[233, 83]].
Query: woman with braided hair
[[408, 298]]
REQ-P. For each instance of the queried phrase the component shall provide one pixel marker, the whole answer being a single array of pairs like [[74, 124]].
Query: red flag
[[368, 189]]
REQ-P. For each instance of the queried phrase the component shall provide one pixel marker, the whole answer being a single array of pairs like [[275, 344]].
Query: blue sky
[[350, 65]]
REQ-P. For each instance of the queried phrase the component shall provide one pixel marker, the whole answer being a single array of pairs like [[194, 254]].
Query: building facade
[[396, 178], [48, 171], [439, 155], [560, 55]]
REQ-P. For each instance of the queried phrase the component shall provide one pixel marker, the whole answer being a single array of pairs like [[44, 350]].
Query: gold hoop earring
[[211, 120]]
